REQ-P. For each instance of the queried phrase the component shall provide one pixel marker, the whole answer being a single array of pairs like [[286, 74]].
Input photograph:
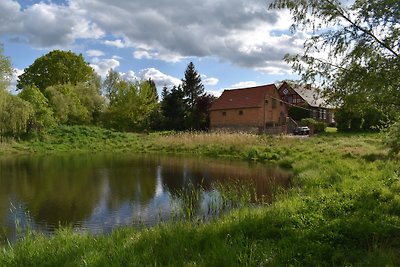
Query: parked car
[[303, 130]]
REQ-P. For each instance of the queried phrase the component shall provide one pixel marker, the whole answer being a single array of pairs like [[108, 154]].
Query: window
[[290, 99], [223, 113], [285, 91], [273, 103], [240, 112]]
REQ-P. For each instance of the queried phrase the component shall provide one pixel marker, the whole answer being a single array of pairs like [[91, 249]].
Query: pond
[[97, 193]]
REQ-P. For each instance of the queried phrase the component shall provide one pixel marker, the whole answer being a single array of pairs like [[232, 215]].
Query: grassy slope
[[343, 209]]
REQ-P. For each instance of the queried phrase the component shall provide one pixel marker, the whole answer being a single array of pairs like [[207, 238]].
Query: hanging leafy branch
[[353, 50]]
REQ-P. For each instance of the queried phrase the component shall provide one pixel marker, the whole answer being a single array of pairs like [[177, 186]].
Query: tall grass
[[343, 210]]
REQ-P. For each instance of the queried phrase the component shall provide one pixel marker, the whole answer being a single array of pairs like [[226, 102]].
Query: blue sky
[[233, 43]]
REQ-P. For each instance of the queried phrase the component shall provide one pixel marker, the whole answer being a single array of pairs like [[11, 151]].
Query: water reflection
[[100, 192]]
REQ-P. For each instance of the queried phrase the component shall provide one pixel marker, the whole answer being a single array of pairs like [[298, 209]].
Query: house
[[309, 99], [255, 109]]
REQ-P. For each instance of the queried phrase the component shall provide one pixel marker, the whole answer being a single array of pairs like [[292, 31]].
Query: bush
[[318, 126], [392, 139]]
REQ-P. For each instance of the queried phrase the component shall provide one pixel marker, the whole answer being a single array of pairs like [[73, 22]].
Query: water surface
[[97, 193]]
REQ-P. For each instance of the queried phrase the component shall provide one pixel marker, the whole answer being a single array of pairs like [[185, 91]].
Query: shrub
[[392, 138], [316, 125]]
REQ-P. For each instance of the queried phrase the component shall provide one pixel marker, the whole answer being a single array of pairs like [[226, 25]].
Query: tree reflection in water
[[101, 192]]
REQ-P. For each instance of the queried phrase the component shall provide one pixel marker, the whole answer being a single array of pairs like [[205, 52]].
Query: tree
[[148, 104], [5, 77], [6, 71], [56, 68], [202, 111], [119, 114], [192, 86], [66, 105], [192, 89], [173, 108], [89, 94], [15, 113], [43, 115], [110, 84], [15, 116], [132, 106], [361, 43]]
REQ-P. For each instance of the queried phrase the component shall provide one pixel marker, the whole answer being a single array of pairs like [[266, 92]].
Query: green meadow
[[342, 209]]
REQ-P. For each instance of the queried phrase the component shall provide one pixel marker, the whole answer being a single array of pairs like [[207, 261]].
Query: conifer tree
[[192, 90]]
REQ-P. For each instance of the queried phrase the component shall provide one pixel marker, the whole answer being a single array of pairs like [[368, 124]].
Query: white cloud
[[215, 93], [244, 84], [116, 43], [244, 33], [10, 20], [102, 66], [209, 81], [95, 53], [165, 56], [142, 54], [159, 78], [47, 25], [129, 76]]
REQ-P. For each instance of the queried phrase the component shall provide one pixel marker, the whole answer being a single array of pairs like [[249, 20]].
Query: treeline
[[61, 88]]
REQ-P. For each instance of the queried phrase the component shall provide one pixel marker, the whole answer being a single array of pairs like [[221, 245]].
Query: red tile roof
[[243, 98]]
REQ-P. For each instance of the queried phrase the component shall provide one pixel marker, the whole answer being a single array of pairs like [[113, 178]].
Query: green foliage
[[173, 108], [111, 84], [254, 154], [298, 113], [43, 117], [193, 90], [6, 70], [148, 104], [341, 210], [89, 94], [66, 105], [15, 115], [392, 138], [192, 86], [361, 69], [318, 126], [132, 106], [186, 106], [202, 112], [56, 68], [356, 117]]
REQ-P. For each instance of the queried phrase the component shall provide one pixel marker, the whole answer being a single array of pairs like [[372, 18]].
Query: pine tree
[[192, 86], [192, 90]]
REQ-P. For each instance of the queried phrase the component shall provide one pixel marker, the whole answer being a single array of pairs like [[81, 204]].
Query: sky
[[232, 43]]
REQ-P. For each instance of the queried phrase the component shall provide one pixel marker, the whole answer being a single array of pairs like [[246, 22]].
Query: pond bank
[[343, 209]]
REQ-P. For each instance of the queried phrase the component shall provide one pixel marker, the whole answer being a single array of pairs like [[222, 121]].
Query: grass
[[343, 208]]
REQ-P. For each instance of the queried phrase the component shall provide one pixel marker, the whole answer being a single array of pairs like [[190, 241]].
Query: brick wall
[[236, 117], [273, 113]]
